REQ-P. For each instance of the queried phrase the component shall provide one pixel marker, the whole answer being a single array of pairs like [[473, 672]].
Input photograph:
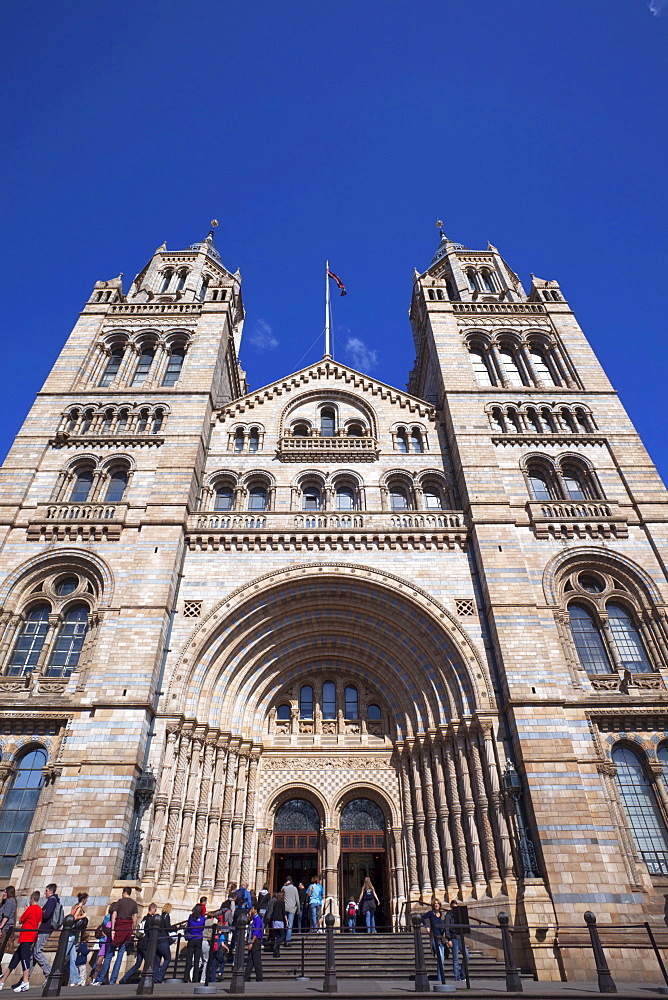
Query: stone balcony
[[327, 449], [77, 522], [577, 519]]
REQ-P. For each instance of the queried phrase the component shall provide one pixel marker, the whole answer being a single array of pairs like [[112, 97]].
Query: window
[[86, 422], [373, 713], [205, 284], [510, 368], [514, 419], [583, 421], [68, 643], [398, 497], [118, 482], [82, 486], [327, 423], [432, 496], [416, 441], [402, 441], [66, 585], [166, 279], [627, 640], [450, 289], [534, 420], [306, 702], [487, 281], [158, 418], [297, 814], [180, 284], [312, 498], [345, 498], [30, 641], [540, 485], [355, 430], [112, 366], [575, 484], [107, 422], [224, 498], [541, 369], [142, 423], [642, 810], [253, 439], [362, 814], [122, 424], [350, 694], [471, 278], [239, 439], [19, 808], [283, 713], [174, 366], [143, 366], [72, 421], [588, 641], [329, 700], [257, 498], [480, 369], [497, 420], [548, 420], [300, 430], [568, 420]]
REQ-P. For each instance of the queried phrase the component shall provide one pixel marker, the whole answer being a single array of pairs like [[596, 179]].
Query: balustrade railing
[[369, 521]]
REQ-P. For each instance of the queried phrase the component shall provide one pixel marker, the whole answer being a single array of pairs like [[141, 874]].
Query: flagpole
[[327, 332]]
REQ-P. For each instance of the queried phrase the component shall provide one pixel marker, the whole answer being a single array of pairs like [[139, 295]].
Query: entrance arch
[[296, 842], [363, 825]]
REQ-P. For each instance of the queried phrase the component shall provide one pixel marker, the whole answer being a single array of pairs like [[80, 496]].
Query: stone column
[[468, 804], [183, 856], [497, 805], [174, 816], [238, 817], [160, 805], [528, 363], [213, 833], [12, 623], [201, 816], [264, 841], [249, 819], [393, 840], [432, 829], [418, 812], [222, 868], [331, 868], [459, 843], [414, 887], [482, 809], [444, 821]]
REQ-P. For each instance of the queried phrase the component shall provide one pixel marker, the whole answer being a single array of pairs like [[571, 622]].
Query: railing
[[374, 521], [82, 511], [604, 516], [497, 307], [125, 308], [328, 448]]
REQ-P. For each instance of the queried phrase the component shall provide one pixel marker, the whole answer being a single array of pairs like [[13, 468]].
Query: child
[[82, 958], [351, 914]]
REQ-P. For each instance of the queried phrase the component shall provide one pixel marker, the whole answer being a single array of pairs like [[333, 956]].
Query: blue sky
[[315, 130]]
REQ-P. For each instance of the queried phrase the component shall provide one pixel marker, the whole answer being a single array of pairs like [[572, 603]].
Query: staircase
[[361, 956]]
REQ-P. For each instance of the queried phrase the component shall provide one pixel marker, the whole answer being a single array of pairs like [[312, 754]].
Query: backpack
[[57, 916], [352, 909]]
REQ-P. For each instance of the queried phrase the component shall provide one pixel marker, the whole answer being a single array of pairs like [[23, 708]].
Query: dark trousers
[[193, 960], [139, 961], [163, 956], [254, 961]]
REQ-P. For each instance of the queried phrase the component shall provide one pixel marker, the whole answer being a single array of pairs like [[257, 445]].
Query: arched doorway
[[363, 853], [296, 843]]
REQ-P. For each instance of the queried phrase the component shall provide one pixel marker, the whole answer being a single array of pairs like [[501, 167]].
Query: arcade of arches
[[335, 723]]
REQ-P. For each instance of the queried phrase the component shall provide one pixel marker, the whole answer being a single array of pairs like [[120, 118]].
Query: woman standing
[[278, 922], [368, 902], [78, 911], [434, 921], [163, 951], [194, 934], [7, 918]]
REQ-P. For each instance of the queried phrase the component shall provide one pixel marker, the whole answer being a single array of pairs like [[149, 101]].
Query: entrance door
[[296, 844], [300, 868], [355, 867]]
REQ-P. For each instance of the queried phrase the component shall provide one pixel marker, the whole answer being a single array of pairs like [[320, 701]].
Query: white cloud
[[361, 356], [262, 338], [657, 6]]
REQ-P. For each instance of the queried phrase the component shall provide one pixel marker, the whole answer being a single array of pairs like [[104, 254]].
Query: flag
[[336, 278]]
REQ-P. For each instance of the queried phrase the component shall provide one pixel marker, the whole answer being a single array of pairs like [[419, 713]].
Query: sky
[[339, 131]]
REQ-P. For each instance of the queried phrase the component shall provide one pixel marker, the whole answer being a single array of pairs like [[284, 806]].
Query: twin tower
[[331, 627]]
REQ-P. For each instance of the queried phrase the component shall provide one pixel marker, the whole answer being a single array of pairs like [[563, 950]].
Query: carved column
[[393, 835], [496, 800], [201, 816], [432, 830], [499, 367], [10, 631], [264, 842], [160, 805], [607, 771], [213, 834], [452, 792], [249, 820], [418, 806], [331, 866], [174, 816], [238, 817], [444, 821], [469, 811], [183, 856], [6, 774], [414, 887], [222, 869], [482, 809], [528, 363]]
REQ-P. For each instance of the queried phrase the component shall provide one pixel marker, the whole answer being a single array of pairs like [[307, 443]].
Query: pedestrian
[[292, 908], [303, 906], [7, 919], [142, 943], [78, 912], [52, 920], [102, 933], [220, 950], [194, 933], [279, 921], [163, 949], [203, 900], [351, 915], [315, 893], [242, 896], [268, 918], [454, 932], [30, 920], [433, 921], [367, 902], [263, 898], [82, 958], [254, 947], [124, 914]]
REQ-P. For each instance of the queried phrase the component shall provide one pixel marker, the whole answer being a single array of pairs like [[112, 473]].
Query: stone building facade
[[333, 627]]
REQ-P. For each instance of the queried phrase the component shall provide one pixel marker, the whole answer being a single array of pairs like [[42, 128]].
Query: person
[[81, 959], [303, 906], [263, 898], [163, 950], [142, 943], [279, 921], [194, 934], [254, 947], [30, 921], [124, 914], [368, 901], [292, 908], [7, 918], [242, 896], [78, 912], [102, 933], [220, 946], [454, 935], [351, 915], [315, 895], [433, 921], [52, 919]]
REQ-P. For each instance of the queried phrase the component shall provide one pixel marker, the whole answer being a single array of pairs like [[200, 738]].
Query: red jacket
[[30, 920]]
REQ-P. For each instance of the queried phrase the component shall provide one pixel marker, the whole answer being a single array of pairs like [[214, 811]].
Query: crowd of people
[[210, 936]]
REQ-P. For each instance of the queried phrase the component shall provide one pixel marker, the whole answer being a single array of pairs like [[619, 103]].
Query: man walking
[[52, 919], [291, 907], [123, 922], [30, 920], [254, 958]]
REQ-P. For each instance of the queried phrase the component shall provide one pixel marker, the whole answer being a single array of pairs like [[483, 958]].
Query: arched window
[[329, 700], [471, 278], [431, 294], [143, 366], [180, 284], [311, 498], [575, 483], [19, 808], [72, 421], [30, 641], [568, 420], [118, 482], [283, 713], [142, 423], [588, 641], [534, 420], [327, 422], [68, 643], [122, 424], [112, 366], [487, 281], [166, 279], [540, 367], [480, 369], [224, 498], [433, 499], [158, 418], [362, 814], [548, 420], [297, 814], [253, 439], [351, 709], [300, 430], [107, 422], [399, 497], [306, 702], [540, 484], [416, 441], [439, 294], [510, 368], [402, 441], [174, 366], [583, 421], [257, 498], [82, 486], [450, 289], [239, 438], [205, 284], [373, 713], [66, 585], [355, 430], [642, 810], [345, 498], [514, 419], [627, 640], [86, 422]]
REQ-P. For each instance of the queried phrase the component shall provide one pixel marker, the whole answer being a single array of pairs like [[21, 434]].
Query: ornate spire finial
[[213, 224], [439, 226]]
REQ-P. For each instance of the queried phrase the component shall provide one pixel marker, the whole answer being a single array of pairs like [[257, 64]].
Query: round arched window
[[296, 814], [362, 814]]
